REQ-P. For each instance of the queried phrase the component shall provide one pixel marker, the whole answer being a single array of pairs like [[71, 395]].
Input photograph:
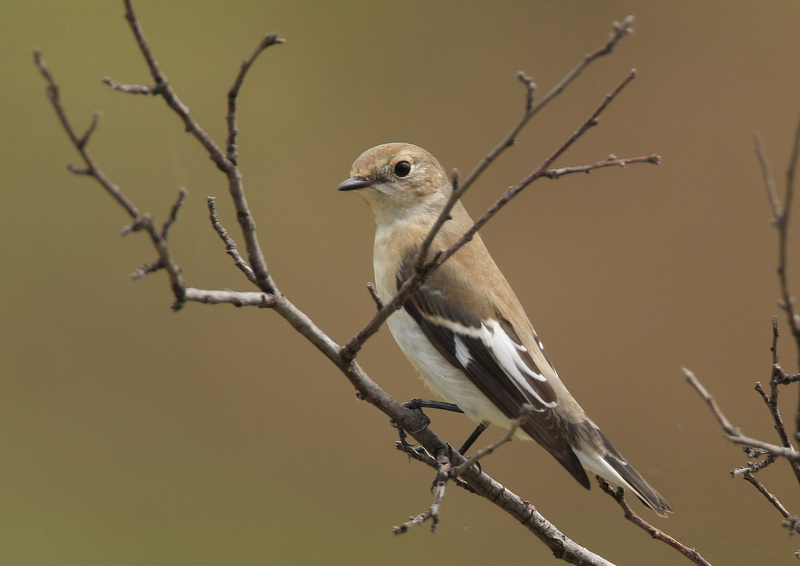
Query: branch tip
[[132, 88], [173, 212]]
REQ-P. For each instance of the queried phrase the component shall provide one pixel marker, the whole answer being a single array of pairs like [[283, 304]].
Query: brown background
[[133, 435]]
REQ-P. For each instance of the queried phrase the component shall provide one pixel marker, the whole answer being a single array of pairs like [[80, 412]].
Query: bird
[[464, 330]]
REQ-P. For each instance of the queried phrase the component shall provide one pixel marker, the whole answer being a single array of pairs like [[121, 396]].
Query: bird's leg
[[472, 438], [419, 404]]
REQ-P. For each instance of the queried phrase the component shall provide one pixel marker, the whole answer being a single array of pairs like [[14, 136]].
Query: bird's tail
[[599, 456]]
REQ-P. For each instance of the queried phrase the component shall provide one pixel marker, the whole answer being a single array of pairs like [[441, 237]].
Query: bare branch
[[733, 433], [374, 294], [788, 299], [235, 298], [482, 484], [80, 142], [233, 94], [444, 216], [754, 467], [130, 88], [780, 218], [790, 173], [530, 89], [230, 244], [173, 213], [84, 139], [619, 496], [620, 30], [141, 221], [162, 87], [610, 161], [147, 269], [439, 486], [235, 185], [771, 401], [755, 448], [537, 173], [793, 525], [769, 179]]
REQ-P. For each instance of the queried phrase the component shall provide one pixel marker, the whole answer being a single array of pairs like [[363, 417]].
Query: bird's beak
[[354, 183]]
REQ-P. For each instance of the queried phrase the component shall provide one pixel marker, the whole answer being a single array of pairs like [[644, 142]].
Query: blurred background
[[131, 435]]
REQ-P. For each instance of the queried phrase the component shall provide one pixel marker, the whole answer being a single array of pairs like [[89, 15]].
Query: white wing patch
[[503, 348], [462, 352], [457, 328], [507, 354]]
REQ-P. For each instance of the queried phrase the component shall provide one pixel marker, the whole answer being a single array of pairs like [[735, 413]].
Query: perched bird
[[464, 330]]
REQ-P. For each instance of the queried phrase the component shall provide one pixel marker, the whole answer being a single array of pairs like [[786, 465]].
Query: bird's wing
[[487, 348]]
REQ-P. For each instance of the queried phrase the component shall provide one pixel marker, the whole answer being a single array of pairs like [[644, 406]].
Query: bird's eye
[[402, 168]]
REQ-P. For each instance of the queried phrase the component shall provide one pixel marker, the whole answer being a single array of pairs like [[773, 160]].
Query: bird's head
[[398, 181]]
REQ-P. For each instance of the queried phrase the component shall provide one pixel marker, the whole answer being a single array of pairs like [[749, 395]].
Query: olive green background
[[132, 435]]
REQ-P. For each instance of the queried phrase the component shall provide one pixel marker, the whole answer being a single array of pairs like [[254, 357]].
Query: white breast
[[446, 380]]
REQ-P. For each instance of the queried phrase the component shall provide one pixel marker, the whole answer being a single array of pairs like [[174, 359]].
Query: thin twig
[[230, 244], [619, 496], [131, 88], [771, 401], [610, 161], [439, 486], [53, 94], [769, 179], [783, 229], [779, 377], [235, 298], [775, 335], [164, 88], [235, 185], [620, 30], [754, 467], [482, 484], [233, 94], [173, 212], [423, 260], [374, 294], [537, 173], [84, 139], [525, 412], [783, 378], [733, 433], [769, 497], [141, 221], [780, 218], [419, 454], [147, 269]]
